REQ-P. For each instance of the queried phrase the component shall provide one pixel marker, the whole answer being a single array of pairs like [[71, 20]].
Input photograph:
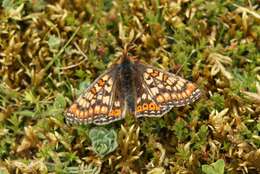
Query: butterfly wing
[[162, 90], [99, 103]]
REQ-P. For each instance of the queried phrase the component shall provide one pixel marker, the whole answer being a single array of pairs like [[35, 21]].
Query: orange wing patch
[[101, 82], [115, 113], [147, 107], [73, 108], [93, 91], [165, 77]]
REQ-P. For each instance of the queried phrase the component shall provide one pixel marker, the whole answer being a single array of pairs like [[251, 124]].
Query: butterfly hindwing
[[116, 106], [99, 103], [146, 105]]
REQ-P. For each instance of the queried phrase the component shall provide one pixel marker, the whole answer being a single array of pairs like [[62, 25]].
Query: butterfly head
[[127, 58]]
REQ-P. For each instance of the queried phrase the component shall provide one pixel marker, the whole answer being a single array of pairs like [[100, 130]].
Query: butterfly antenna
[[180, 68], [125, 53]]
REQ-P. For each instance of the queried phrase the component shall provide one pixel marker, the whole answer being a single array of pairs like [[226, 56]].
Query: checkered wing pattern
[[159, 91], [99, 103]]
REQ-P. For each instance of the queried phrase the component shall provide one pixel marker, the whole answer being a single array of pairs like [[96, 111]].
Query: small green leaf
[[60, 101], [38, 5], [99, 65], [71, 20], [258, 126], [9, 4], [214, 168], [80, 73], [83, 85], [30, 97], [54, 42], [26, 113]]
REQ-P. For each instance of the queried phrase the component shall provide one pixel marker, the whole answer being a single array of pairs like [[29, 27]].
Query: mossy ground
[[50, 51]]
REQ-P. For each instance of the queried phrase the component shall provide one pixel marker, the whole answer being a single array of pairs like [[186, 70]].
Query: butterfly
[[131, 86]]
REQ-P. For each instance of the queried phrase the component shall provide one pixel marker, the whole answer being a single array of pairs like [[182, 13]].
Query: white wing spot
[[117, 103], [81, 101], [108, 88], [106, 100], [172, 79], [166, 96], [110, 82], [146, 75], [92, 101], [160, 86], [149, 70], [155, 90], [105, 78], [168, 87], [138, 100], [99, 97], [144, 96]]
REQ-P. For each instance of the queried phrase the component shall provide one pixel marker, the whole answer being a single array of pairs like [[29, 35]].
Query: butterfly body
[[133, 87], [126, 80]]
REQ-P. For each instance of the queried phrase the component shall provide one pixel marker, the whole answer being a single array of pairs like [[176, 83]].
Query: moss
[[51, 51]]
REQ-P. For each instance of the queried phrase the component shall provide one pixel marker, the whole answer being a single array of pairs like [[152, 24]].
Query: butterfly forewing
[[99, 103]]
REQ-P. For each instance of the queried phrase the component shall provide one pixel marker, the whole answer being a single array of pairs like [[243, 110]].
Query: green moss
[[181, 130], [218, 101], [50, 52]]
